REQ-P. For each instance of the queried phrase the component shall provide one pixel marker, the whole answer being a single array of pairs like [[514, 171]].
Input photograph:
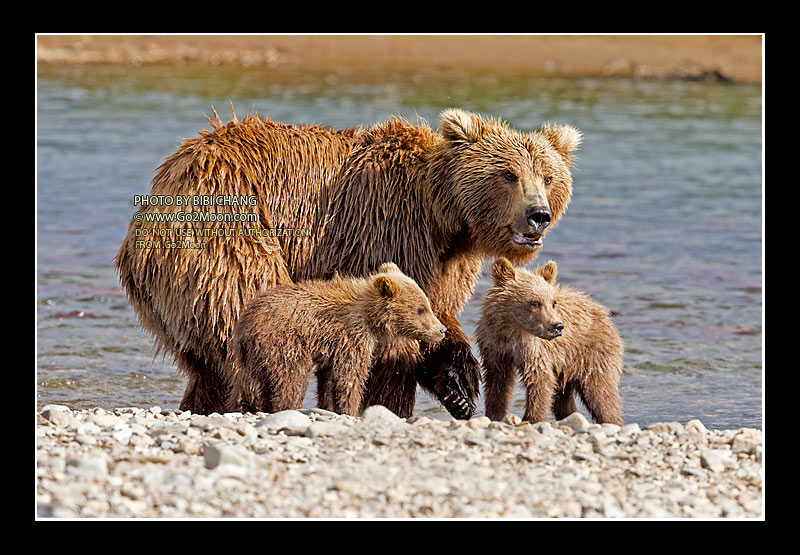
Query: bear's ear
[[564, 138], [549, 271], [386, 287], [502, 270], [387, 267], [460, 126]]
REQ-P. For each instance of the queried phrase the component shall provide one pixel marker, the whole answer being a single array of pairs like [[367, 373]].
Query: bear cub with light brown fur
[[335, 325], [560, 341]]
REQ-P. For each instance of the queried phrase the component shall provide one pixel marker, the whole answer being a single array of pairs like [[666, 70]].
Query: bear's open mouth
[[527, 239]]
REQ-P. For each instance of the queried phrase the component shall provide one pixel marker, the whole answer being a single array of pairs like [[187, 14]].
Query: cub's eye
[[554, 304], [547, 180], [536, 304], [421, 310], [511, 177]]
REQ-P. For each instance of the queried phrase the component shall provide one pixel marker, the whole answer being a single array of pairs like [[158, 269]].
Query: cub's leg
[[272, 371], [285, 383], [600, 394], [564, 401], [540, 387], [347, 377], [498, 384]]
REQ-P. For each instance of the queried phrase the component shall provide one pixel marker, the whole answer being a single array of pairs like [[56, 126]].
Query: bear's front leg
[[392, 378], [450, 371]]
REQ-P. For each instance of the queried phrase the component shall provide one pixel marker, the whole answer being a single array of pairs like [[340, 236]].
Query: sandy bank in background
[[693, 57]]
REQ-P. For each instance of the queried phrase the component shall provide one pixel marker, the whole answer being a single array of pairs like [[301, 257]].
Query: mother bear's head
[[508, 187]]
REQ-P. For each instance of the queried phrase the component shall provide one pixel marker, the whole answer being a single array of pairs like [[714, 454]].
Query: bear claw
[[457, 405], [456, 382]]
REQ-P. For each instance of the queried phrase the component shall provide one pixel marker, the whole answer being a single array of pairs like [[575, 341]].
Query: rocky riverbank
[[154, 463]]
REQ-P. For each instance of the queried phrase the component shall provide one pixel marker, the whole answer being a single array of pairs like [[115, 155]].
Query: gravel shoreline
[[310, 463]]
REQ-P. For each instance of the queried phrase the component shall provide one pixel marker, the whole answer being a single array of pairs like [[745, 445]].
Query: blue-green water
[[665, 226]]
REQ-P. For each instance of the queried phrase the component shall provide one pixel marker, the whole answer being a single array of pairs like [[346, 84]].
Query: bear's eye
[[554, 304], [547, 180], [511, 177], [536, 304], [421, 310]]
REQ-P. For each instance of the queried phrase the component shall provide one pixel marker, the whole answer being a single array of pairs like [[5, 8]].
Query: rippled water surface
[[665, 225]]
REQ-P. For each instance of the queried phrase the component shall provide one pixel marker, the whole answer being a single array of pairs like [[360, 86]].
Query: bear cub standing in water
[[560, 340], [335, 325]]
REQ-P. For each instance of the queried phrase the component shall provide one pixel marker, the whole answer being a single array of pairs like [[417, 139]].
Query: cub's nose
[[558, 327], [538, 217], [443, 330]]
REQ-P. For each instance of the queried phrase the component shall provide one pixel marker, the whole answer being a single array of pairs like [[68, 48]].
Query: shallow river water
[[665, 226]]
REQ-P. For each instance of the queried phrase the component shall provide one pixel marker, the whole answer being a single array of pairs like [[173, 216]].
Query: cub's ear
[[386, 287], [502, 270], [564, 138], [549, 271], [387, 267], [460, 126]]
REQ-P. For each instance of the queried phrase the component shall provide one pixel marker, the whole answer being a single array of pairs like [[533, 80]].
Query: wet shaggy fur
[[522, 316], [436, 203], [334, 325]]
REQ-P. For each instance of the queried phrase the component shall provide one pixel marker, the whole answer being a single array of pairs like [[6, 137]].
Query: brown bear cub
[[560, 340], [335, 325]]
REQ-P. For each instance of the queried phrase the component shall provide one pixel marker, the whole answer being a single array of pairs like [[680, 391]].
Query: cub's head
[[525, 300], [406, 309], [511, 186]]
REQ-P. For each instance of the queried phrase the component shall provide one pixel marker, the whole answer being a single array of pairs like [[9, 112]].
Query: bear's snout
[[550, 331], [434, 336], [538, 217]]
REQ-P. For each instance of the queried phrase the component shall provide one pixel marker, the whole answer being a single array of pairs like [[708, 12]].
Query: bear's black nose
[[443, 330], [538, 217], [559, 327]]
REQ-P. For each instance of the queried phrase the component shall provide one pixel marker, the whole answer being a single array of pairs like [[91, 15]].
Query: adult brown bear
[[433, 203]]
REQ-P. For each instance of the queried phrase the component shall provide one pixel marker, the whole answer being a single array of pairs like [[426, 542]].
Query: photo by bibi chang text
[[194, 200], [196, 237]]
